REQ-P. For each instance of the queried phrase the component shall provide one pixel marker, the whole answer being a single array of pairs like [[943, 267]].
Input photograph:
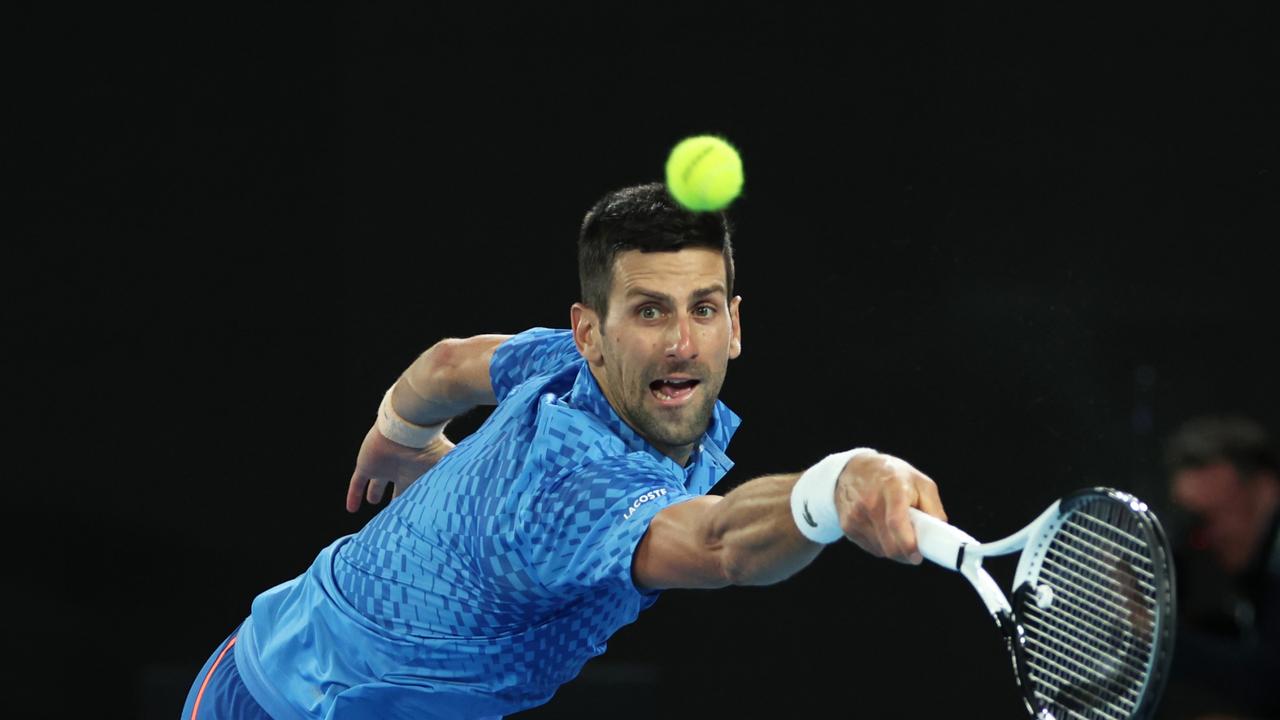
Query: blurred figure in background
[[1225, 529]]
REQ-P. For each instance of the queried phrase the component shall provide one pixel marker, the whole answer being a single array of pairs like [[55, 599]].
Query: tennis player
[[505, 563]]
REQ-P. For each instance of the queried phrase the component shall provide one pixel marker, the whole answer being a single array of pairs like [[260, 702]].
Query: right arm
[[749, 536], [447, 380]]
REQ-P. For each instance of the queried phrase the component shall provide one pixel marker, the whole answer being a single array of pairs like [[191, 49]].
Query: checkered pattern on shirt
[[509, 563]]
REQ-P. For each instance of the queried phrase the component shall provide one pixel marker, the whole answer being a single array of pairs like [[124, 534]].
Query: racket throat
[[970, 566]]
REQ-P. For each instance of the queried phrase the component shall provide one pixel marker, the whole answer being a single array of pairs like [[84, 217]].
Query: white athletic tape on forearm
[[813, 498], [398, 430]]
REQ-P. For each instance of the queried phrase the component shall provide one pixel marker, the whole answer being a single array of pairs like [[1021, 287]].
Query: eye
[[705, 311], [649, 312]]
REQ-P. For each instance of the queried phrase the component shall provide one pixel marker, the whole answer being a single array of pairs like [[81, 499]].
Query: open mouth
[[673, 391]]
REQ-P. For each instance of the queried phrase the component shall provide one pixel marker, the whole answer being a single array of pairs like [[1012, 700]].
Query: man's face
[[1218, 500], [1210, 490], [661, 354]]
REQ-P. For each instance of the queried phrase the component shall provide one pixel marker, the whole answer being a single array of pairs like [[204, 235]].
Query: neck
[[681, 454]]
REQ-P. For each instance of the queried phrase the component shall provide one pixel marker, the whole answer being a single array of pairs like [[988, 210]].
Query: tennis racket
[[1090, 621]]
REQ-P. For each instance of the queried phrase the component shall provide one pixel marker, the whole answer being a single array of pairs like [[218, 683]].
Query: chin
[[682, 436], [673, 430]]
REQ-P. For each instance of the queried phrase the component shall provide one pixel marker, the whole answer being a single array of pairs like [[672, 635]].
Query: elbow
[[440, 365], [445, 355]]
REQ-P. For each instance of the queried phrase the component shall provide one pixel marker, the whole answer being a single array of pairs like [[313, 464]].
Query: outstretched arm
[[447, 380], [750, 536]]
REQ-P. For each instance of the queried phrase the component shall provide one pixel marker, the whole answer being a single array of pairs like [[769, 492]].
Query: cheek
[[629, 355], [1202, 493], [718, 339], [1184, 493]]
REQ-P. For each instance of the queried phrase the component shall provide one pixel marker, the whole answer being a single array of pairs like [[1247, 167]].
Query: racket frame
[[954, 549]]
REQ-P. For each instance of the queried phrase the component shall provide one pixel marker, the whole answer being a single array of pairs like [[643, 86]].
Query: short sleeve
[[584, 528], [539, 351]]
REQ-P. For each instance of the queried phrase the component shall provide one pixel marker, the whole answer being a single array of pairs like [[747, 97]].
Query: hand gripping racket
[[1090, 622]]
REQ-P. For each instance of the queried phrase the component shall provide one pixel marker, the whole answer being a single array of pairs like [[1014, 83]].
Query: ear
[[586, 333], [735, 339]]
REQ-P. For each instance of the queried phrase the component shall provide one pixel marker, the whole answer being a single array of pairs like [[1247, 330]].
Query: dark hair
[[648, 219], [1222, 438]]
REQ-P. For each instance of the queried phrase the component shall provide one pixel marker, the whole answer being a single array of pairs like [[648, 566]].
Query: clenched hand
[[872, 496]]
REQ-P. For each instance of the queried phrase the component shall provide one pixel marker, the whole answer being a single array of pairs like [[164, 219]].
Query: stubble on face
[[670, 323], [666, 428]]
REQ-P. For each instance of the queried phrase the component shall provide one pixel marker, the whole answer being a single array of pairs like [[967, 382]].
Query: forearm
[[755, 534], [447, 380], [752, 535]]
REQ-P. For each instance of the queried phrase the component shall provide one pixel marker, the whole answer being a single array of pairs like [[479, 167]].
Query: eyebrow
[[699, 294]]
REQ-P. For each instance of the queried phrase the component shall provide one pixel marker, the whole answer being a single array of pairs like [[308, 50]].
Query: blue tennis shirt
[[493, 578]]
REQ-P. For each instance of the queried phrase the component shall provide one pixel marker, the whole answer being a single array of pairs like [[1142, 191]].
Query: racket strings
[[1079, 645], [1103, 553], [1098, 554], [1113, 601], [1120, 680], [1083, 638], [1129, 608], [1088, 650]]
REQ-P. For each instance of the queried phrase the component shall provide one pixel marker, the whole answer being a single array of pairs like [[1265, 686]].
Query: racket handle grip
[[939, 542]]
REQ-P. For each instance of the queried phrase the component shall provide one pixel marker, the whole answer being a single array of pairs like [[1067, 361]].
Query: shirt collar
[[587, 395]]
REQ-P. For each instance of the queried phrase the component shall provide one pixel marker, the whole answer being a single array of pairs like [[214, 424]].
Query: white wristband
[[400, 431], [813, 498]]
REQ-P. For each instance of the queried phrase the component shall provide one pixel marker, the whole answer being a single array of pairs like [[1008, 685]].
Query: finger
[[863, 521], [355, 491], [928, 499], [855, 521], [376, 489], [900, 530]]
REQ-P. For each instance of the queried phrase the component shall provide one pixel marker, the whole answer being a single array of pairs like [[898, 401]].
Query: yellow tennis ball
[[704, 173]]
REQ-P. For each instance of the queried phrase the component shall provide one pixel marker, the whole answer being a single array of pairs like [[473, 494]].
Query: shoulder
[[533, 353], [534, 343], [571, 437]]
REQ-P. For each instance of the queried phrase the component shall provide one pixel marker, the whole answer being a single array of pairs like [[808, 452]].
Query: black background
[[1015, 247]]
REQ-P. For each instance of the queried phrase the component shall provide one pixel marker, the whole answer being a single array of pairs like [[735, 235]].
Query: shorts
[[218, 692]]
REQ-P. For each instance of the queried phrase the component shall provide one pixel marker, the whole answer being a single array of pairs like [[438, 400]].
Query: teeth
[[661, 386], [663, 394]]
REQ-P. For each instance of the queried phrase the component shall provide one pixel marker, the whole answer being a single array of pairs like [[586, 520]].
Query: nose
[[680, 342]]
